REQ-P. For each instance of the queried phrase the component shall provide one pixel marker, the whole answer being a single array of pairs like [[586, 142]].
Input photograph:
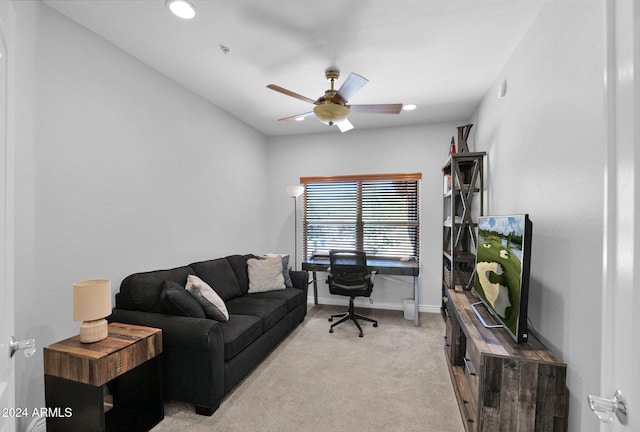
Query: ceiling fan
[[332, 108]]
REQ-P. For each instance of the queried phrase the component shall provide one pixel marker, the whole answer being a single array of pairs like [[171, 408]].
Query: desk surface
[[383, 266]]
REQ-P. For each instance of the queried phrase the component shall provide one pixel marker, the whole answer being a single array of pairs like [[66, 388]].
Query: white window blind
[[376, 213]]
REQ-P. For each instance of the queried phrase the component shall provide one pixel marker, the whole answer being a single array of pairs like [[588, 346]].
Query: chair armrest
[[184, 332]]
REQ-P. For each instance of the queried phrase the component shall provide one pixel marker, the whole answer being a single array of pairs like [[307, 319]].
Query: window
[[377, 213]]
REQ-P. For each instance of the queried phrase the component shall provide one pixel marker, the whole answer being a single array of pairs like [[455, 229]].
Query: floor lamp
[[294, 192]]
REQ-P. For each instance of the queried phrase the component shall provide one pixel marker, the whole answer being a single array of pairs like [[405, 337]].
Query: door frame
[[621, 250], [7, 22]]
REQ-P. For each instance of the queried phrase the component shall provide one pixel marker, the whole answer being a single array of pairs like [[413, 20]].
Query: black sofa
[[204, 359]]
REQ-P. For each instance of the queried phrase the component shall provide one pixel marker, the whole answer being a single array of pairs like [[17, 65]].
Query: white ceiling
[[442, 55]]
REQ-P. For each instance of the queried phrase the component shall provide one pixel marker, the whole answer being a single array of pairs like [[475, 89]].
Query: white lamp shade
[[91, 299], [295, 191]]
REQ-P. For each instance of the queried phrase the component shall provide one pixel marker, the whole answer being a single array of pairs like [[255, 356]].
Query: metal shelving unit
[[463, 202]]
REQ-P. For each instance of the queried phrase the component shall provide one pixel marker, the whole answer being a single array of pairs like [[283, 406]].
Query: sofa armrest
[[182, 332], [300, 280], [193, 356]]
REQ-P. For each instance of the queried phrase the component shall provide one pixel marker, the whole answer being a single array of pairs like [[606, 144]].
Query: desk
[[382, 266]]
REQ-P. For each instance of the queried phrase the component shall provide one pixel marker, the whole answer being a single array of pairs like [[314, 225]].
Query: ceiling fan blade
[[290, 93], [297, 116], [377, 108], [351, 86], [344, 126]]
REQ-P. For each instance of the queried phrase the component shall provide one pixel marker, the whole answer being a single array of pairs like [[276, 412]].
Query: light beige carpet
[[393, 379]]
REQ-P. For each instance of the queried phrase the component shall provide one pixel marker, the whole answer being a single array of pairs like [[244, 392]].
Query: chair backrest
[[349, 274]]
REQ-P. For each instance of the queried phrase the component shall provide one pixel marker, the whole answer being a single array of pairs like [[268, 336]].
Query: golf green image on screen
[[499, 266]]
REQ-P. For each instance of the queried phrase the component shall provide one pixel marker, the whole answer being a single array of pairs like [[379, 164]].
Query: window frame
[[360, 225]]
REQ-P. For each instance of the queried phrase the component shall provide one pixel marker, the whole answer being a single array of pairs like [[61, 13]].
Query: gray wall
[[118, 170], [545, 142], [391, 150]]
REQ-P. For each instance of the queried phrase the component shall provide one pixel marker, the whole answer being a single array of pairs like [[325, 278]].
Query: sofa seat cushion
[[270, 311], [239, 332], [219, 275], [293, 297]]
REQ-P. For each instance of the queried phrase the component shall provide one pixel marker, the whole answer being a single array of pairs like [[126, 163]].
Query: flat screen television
[[502, 271]]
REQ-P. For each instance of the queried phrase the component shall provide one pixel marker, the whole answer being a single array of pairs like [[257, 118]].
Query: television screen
[[502, 270]]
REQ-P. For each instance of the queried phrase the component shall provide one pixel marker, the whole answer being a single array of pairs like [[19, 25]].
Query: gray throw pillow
[[265, 274], [210, 301], [285, 268], [177, 301]]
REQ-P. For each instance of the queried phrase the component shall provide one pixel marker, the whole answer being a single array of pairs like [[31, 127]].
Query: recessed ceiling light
[[181, 8], [409, 107], [299, 118]]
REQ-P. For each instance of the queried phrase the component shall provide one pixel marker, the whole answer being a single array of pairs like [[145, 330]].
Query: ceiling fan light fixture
[[331, 113], [181, 8]]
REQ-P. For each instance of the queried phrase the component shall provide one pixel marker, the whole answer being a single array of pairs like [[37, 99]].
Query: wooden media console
[[501, 385]]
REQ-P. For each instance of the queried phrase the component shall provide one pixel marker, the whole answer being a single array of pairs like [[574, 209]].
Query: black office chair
[[349, 276]]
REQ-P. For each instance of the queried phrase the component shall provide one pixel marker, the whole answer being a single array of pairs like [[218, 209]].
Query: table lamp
[[91, 304]]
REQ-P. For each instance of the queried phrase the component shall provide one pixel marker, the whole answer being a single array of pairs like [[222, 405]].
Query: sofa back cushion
[[239, 266], [141, 291], [219, 275]]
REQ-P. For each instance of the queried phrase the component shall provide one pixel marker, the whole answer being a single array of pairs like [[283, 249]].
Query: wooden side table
[[126, 362]]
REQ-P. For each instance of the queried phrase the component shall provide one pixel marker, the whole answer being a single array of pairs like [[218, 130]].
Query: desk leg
[[315, 288], [416, 301]]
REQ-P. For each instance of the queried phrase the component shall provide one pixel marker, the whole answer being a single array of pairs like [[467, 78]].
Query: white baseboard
[[364, 303]]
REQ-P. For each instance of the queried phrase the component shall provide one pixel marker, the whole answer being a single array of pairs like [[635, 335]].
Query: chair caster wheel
[[375, 324], [360, 335], [330, 330], [330, 320]]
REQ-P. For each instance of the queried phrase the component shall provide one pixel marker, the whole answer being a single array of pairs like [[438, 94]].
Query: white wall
[[391, 150], [545, 143], [118, 170]]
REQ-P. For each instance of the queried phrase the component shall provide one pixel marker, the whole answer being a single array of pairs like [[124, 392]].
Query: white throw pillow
[[265, 274], [210, 301], [285, 268]]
